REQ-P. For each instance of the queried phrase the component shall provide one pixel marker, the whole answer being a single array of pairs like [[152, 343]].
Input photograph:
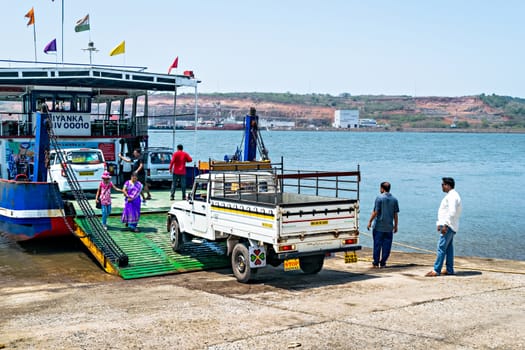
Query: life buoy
[[21, 177]]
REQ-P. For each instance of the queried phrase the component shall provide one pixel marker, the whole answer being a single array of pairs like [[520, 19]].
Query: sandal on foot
[[445, 272], [431, 274]]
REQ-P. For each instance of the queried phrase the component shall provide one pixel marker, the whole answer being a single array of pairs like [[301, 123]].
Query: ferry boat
[[76, 103]]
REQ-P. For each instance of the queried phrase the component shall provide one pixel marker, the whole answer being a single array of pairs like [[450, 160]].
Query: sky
[[412, 47]]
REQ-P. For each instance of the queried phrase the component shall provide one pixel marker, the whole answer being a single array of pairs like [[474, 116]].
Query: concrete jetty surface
[[346, 306]]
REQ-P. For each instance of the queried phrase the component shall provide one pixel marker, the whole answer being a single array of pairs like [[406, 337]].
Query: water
[[489, 170]]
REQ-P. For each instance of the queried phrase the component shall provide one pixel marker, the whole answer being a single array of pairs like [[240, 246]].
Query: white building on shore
[[346, 118], [367, 123]]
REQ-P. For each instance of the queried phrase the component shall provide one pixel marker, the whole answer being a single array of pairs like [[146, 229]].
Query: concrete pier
[[346, 306]]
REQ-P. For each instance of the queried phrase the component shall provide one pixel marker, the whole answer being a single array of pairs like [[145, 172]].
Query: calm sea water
[[489, 170]]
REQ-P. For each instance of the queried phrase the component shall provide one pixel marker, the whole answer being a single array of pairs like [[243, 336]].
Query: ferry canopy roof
[[90, 77]]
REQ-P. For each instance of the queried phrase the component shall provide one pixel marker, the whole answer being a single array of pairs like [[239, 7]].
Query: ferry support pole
[[41, 147]]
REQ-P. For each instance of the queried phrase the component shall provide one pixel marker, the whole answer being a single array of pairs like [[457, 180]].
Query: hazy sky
[[421, 48]]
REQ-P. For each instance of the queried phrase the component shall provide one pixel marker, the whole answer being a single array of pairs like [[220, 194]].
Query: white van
[[158, 165], [88, 164]]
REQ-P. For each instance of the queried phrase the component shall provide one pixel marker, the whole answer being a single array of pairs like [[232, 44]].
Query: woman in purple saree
[[131, 213]]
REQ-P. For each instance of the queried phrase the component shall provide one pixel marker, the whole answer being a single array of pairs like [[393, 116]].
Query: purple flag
[[51, 47]]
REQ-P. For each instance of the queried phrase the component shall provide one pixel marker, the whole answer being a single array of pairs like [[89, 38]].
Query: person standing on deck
[[385, 214], [131, 213], [447, 225], [104, 196], [125, 172], [140, 169], [178, 170]]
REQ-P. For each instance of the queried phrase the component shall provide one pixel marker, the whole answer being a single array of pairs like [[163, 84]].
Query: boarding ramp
[[150, 252], [93, 233], [131, 255]]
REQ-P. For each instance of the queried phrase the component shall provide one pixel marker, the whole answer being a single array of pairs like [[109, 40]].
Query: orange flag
[[31, 15]]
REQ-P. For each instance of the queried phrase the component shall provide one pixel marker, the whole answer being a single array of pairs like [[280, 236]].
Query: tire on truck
[[175, 235], [240, 261]]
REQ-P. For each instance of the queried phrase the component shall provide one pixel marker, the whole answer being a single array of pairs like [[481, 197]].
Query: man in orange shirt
[[178, 170]]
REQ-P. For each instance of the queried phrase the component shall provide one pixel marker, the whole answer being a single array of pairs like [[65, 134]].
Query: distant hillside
[[395, 112]]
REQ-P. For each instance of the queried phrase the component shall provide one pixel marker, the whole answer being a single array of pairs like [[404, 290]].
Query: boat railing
[[18, 125], [112, 127], [14, 124]]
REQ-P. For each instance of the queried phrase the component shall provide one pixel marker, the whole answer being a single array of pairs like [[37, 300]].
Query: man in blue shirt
[[385, 215]]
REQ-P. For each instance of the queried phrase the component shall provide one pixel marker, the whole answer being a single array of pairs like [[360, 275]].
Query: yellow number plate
[[318, 222], [350, 257], [291, 264], [86, 173]]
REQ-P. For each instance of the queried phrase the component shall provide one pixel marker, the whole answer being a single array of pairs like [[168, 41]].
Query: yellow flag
[[119, 49]]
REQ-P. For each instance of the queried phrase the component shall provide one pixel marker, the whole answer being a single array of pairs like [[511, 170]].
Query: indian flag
[[82, 24]]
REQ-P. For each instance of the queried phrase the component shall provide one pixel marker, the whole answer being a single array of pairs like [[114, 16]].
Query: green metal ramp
[[150, 254]]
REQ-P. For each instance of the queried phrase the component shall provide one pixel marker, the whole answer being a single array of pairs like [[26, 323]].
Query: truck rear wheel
[[175, 235], [241, 263], [311, 264]]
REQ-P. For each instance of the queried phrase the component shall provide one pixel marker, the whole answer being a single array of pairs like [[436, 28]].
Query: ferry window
[[82, 104], [62, 105], [40, 102]]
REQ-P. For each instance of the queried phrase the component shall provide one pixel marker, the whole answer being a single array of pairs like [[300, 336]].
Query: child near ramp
[[103, 197]]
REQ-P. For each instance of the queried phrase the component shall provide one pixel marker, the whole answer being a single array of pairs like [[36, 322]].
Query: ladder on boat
[[94, 236]]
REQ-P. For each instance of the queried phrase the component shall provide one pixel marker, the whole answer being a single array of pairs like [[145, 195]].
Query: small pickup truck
[[269, 216]]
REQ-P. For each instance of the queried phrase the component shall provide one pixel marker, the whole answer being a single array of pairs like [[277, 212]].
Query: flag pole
[[90, 51], [62, 32], [34, 39]]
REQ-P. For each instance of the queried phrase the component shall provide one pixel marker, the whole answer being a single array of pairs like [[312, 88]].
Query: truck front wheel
[[311, 264], [241, 263], [175, 235]]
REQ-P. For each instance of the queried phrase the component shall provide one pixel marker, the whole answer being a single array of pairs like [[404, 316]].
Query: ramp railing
[[98, 235]]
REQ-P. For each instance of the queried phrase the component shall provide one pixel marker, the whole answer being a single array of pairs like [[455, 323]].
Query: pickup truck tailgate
[[322, 217]]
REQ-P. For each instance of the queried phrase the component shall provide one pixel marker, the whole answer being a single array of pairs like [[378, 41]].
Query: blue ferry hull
[[30, 210]]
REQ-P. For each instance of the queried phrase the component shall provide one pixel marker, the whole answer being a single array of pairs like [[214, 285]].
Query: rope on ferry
[[401, 244]]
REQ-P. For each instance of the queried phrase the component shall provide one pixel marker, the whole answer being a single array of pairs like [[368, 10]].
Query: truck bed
[[283, 199]]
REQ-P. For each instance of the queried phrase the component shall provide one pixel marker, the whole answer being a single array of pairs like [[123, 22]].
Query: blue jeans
[[445, 251], [382, 246], [106, 210], [182, 180]]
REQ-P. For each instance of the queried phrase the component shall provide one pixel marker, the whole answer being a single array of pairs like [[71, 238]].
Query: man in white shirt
[[447, 225]]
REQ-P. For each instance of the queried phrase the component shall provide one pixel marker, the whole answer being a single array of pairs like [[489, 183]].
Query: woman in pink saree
[[131, 213]]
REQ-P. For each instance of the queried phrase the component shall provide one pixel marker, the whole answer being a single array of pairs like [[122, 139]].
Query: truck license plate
[[291, 265], [350, 257]]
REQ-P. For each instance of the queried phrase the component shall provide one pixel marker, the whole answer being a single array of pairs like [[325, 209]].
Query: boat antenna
[[91, 48]]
